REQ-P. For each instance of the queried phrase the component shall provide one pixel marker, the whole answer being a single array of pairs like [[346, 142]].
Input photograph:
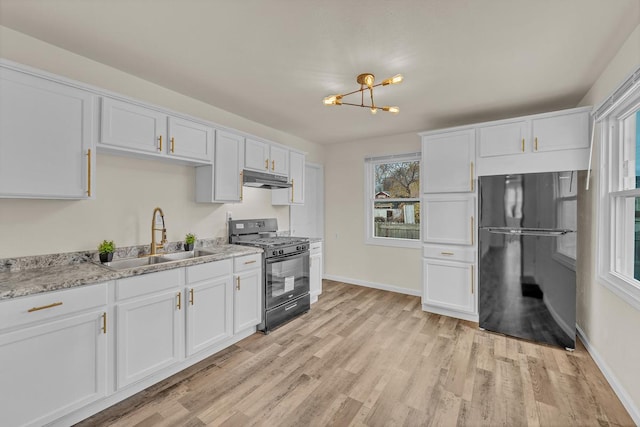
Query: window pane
[[630, 137], [398, 180], [400, 220], [636, 240]]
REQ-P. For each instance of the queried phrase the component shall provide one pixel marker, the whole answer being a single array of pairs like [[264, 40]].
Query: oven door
[[286, 278]]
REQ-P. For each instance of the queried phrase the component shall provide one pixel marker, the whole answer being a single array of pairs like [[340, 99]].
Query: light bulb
[[330, 100], [392, 110], [374, 110], [393, 80]]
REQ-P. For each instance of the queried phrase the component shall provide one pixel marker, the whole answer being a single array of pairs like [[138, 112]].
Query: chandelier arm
[[361, 105]]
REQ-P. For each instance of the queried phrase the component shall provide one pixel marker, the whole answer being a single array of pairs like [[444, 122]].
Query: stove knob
[[280, 252], [298, 248], [275, 252]]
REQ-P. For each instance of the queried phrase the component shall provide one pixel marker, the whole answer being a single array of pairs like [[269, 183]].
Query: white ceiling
[[273, 61]]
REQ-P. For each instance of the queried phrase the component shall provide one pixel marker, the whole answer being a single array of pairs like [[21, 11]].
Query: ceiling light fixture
[[366, 83]]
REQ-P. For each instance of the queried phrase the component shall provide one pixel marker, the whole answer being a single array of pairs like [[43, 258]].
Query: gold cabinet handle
[[104, 322], [241, 186], [471, 175], [536, 143], [238, 285], [191, 296], [292, 188], [172, 144], [179, 305], [160, 139], [89, 172], [250, 262], [273, 165], [472, 280], [447, 253], [523, 145], [44, 307], [472, 230], [266, 164]]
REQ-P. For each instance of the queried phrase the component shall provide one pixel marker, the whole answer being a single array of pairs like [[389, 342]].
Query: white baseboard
[[381, 286], [559, 320], [620, 391]]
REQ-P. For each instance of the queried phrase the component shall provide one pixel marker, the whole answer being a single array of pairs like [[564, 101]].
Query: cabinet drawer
[[148, 283], [248, 262], [315, 248], [196, 273], [453, 253], [45, 306]]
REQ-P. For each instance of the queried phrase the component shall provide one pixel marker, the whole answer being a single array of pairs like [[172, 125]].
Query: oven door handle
[[287, 257]]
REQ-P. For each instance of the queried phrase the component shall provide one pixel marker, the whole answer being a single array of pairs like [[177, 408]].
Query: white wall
[[609, 323], [127, 189], [346, 255]]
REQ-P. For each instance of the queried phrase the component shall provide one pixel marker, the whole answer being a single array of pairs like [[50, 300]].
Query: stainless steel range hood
[[264, 180]]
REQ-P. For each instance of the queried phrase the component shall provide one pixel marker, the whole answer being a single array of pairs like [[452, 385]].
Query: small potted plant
[[189, 241], [106, 249]]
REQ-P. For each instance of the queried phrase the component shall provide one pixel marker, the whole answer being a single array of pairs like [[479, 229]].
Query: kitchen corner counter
[[32, 275], [315, 240]]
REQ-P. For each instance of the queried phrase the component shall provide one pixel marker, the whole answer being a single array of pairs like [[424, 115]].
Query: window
[[392, 200], [619, 195]]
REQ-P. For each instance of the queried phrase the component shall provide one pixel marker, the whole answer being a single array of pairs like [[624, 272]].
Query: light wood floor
[[368, 357]]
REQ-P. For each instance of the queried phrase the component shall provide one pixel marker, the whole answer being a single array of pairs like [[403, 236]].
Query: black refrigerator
[[527, 251]]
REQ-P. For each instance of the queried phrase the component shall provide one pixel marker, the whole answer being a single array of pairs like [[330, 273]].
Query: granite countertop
[[315, 239], [36, 274]]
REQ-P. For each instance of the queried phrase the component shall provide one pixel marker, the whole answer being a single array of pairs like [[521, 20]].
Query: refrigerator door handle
[[556, 232]]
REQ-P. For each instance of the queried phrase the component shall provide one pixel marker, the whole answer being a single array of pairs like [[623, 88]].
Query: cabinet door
[[247, 300], [447, 162], [228, 167], [132, 127], [45, 138], [53, 368], [504, 139], [315, 275], [561, 132], [209, 317], [295, 194], [256, 155], [189, 139], [449, 219], [149, 333], [279, 160], [449, 285]]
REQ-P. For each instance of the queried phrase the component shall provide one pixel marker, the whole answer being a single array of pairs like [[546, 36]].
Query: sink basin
[[123, 264], [177, 256]]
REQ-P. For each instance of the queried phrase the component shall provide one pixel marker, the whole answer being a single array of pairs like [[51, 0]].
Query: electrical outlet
[[229, 215]]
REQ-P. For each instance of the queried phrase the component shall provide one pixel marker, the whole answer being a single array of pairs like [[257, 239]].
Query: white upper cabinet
[[295, 194], [279, 157], [256, 155], [546, 142], [449, 219], [134, 128], [189, 139], [263, 156], [504, 139], [448, 162], [222, 181], [46, 150]]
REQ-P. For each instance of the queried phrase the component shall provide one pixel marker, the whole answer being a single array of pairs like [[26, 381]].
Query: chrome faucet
[[154, 245]]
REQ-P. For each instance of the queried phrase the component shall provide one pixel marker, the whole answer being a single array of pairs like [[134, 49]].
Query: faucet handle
[[164, 236]]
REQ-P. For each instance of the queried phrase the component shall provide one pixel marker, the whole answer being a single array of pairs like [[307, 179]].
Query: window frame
[[611, 240], [369, 200]]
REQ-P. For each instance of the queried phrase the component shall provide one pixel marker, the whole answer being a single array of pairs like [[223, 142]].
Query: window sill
[[623, 288], [392, 242]]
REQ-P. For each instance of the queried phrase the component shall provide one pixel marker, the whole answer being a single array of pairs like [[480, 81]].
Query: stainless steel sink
[[124, 264], [178, 256], [127, 263]]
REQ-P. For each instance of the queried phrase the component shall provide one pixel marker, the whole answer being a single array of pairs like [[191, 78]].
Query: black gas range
[[285, 265]]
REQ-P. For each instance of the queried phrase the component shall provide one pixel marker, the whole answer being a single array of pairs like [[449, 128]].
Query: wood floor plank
[[366, 357]]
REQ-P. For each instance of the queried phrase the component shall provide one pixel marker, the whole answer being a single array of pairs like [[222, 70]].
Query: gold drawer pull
[[472, 280], [292, 187], [447, 253], [191, 296], [250, 262], [44, 307], [536, 143], [523, 145], [89, 172], [160, 139], [172, 144], [238, 285], [179, 305], [241, 185], [472, 230], [471, 178]]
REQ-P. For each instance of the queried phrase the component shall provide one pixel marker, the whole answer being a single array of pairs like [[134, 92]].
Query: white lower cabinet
[[209, 305], [150, 324], [247, 306], [315, 270], [53, 360], [449, 285]]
